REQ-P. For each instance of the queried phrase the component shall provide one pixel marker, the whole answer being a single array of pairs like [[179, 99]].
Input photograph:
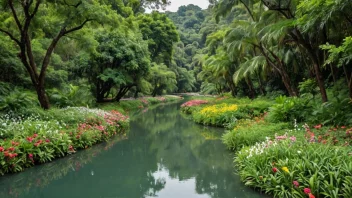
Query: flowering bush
[[297, 169], [32, 140], [194, 103], [187, 106], [217, 115], [329, 135]]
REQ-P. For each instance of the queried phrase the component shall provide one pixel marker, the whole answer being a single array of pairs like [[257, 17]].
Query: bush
[[248, 132], [297, 169], [17, 100], [288, 109], [335, 112], [71, 96]]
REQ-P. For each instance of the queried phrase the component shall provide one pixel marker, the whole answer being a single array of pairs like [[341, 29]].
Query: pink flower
[[47, 140], [293, 138], [1, 149], [30, 139], [35, 135], [30, 155], [307, 191], [296, 184]]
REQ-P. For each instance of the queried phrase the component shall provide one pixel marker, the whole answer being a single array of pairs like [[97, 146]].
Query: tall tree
[[21, 21]]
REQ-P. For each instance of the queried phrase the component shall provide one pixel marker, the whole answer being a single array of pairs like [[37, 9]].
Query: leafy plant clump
[[289, 168]]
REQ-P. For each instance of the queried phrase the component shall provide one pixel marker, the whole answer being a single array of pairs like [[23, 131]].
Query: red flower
[[274, 169], [11, 149], [35, 135], [1, 149], [30, 155], [47, 140], [306, 191], [36, 144], [30, 139], [311, 195], [296, 184], [317, 126]]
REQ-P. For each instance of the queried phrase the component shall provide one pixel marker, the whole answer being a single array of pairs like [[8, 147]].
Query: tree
[[122, 61], [161, 34], [162, 79], [21, 21]]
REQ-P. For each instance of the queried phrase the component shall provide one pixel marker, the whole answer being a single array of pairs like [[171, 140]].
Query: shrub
[[17, 100], [71, 95], [248, 132], [287, 109]]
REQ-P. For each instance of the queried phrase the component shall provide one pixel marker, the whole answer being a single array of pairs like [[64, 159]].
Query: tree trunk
[[348, 79], [42, 97], [251, 88], [296, 35], [231, 85], [122, 92], [320, 81], [261, 87]]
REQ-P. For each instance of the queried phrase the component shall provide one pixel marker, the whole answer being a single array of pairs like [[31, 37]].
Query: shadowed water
[[163, 155]]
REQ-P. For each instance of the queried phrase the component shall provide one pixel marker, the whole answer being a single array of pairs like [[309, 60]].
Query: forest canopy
[[110, 49]]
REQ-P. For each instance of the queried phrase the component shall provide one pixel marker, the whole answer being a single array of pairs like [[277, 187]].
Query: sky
[[177, 3]]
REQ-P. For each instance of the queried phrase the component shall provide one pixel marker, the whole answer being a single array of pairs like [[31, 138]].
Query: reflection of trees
[[188, 150]]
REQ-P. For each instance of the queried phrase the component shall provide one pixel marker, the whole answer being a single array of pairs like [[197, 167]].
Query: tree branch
[[76, 5], [15, 15], [36, 8], [77, 28], [11, 36]]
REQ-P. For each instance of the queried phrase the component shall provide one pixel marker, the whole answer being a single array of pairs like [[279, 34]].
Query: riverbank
[[274, 153], [35, 136]]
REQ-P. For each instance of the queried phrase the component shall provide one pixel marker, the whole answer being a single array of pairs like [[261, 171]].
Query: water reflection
[[165, 155]]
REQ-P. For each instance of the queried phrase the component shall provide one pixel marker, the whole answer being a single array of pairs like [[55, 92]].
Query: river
[[163, 155]]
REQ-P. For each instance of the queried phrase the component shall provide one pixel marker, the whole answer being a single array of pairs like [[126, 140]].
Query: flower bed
[[39, 139], [289, 168]]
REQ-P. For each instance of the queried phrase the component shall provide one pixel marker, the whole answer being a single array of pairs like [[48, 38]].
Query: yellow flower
[[285, 169]]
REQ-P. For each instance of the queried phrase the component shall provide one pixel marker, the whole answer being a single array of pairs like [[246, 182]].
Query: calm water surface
[[164, 155]]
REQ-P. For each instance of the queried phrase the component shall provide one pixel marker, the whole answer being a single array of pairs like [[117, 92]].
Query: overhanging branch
[[78, 27], [11, 36]]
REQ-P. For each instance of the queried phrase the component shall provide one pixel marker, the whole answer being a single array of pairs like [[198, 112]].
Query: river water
[[163, 155]]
